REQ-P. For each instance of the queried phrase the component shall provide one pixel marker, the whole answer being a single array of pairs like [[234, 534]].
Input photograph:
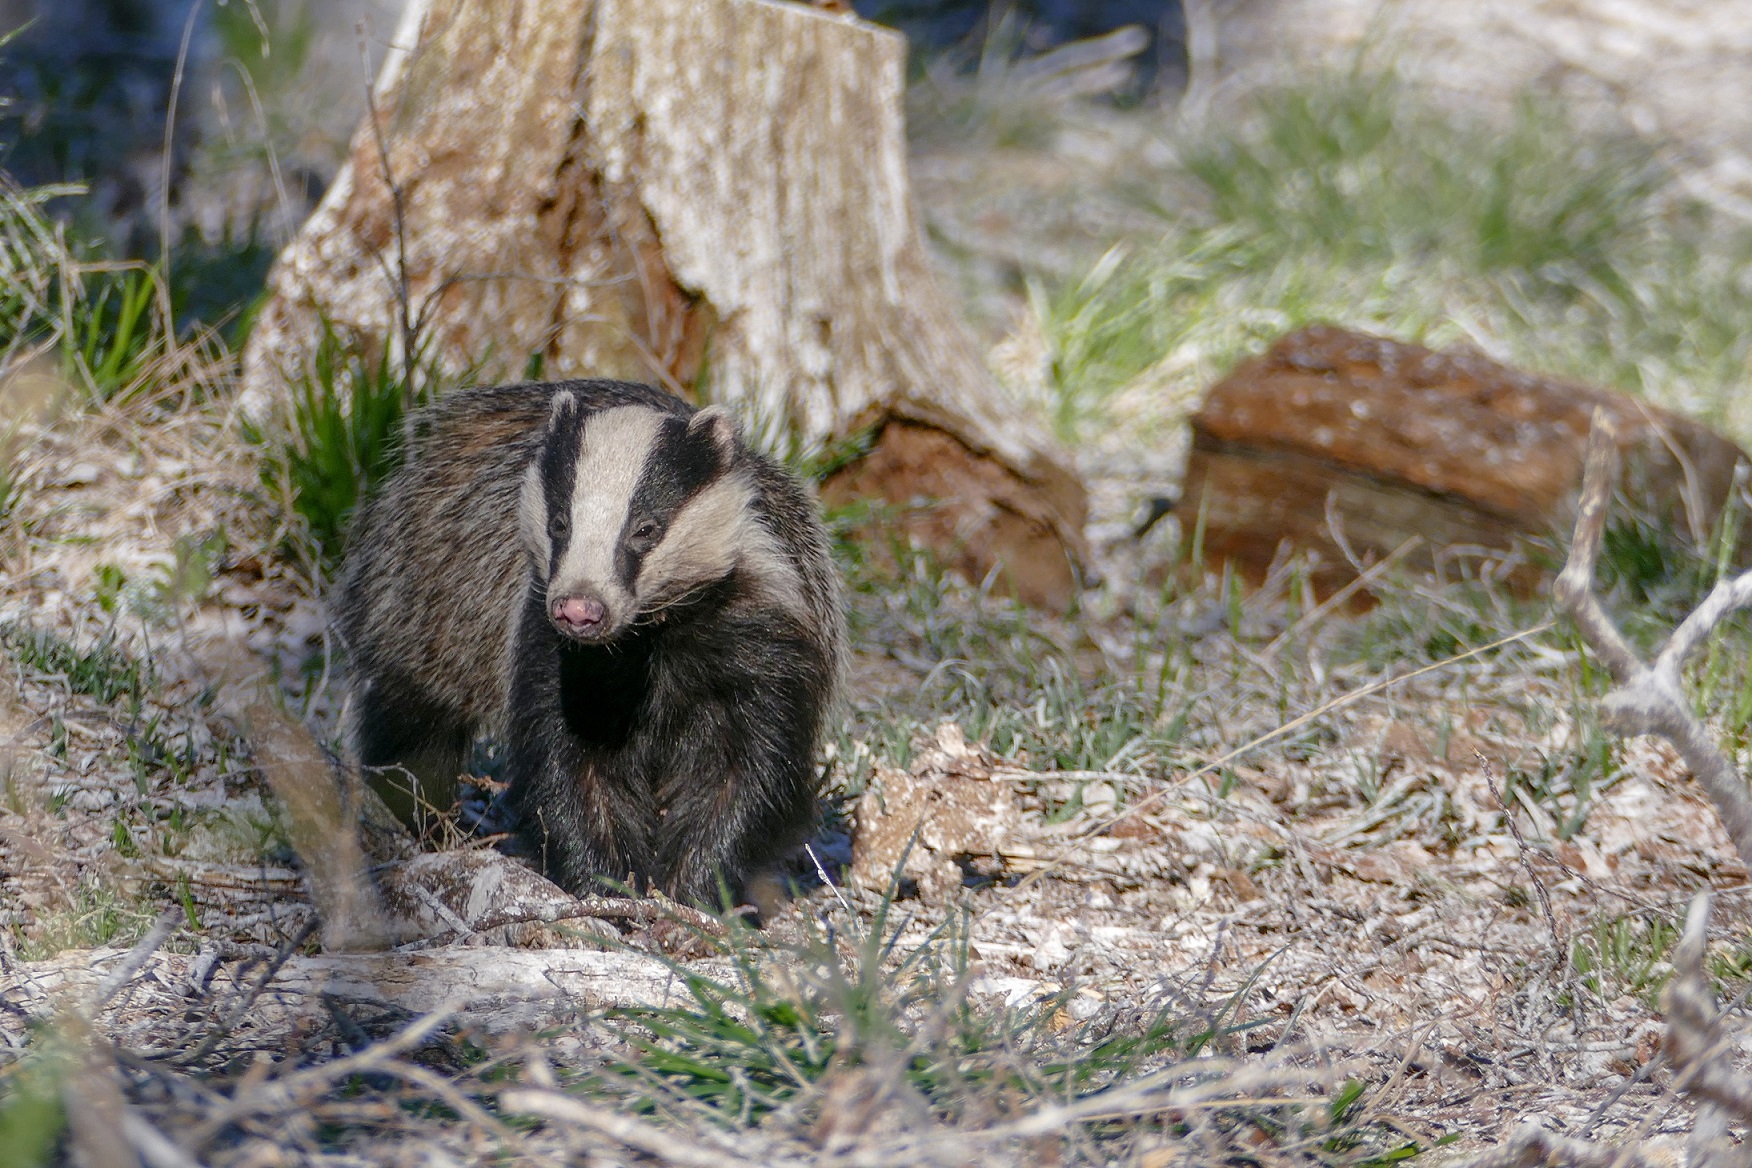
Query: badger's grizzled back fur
[[639, 606]]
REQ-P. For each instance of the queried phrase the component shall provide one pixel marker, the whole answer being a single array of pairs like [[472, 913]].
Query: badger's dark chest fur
[[678, 753], [607, 692], [602, 689]]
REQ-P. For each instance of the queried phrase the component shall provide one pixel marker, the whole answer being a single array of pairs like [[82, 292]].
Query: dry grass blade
[[1534, 1147], [294, 1090], [324, 832], [1649, 698], [137, 957], [666, 1147]]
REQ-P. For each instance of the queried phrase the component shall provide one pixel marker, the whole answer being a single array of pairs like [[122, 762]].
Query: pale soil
[[1399, 937]]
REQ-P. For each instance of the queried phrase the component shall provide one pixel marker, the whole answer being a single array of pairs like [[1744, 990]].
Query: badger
[[638, 607]]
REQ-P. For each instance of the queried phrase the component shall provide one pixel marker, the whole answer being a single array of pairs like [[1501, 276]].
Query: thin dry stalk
[[295, 1090], [666, 1147], [1649, 699], [324, 832], [1521, 850], [1534, 1147]]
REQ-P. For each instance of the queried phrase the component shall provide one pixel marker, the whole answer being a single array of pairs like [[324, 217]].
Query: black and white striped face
[[629, 510]]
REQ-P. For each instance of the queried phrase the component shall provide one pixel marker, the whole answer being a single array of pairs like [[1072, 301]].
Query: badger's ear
[[715, 424], [561, 404]]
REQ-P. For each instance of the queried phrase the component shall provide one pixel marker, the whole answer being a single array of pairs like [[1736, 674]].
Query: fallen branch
[[501, 988], [644, 911], [1649, 699]]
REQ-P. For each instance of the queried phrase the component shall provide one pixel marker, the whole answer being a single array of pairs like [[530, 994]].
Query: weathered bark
[[1395, 442], [493, 987], [707, 194]]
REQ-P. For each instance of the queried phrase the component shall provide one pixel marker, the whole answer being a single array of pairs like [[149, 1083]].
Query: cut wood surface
[[711, 195], [1392, 442]]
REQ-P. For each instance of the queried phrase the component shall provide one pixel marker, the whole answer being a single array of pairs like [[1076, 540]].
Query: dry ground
[[1348, 897]]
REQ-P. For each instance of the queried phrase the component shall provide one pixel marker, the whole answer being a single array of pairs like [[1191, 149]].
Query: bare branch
[[137, 957], [1574, 588], [1651, 700], [1697, 1046]]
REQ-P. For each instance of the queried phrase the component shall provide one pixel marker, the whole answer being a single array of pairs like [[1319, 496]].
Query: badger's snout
[[583, 618]]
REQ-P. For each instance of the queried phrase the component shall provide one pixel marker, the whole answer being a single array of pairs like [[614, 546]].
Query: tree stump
[[711, 195], [1345, 444]]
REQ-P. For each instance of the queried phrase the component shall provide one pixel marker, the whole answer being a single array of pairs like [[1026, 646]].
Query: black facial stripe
[[559, 473], [682, 463]]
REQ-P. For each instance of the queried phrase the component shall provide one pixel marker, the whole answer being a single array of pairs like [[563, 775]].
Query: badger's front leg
[[738, 793]]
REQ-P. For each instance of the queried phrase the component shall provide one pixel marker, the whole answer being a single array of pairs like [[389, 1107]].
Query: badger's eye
[[557, 527], [644, 532]]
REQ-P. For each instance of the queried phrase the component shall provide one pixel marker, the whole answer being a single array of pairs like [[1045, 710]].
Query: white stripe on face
[[612, 451]]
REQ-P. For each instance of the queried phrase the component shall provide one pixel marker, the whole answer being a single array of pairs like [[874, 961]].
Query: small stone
[[80, 474]]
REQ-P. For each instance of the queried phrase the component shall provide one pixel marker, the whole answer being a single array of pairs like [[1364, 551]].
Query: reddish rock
[[976, 515], [1396, 440]]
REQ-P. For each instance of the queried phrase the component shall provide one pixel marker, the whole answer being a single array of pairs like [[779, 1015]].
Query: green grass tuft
[[31, 1115], [114, 332], [35, 268], [1626, 955], [102, 670], [834, 1001], [1564, 248], [98, 916], [345, 436]]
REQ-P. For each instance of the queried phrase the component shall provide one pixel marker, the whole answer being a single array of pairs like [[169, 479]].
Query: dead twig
[[137, 957], [1534, 1147], [667, 1147], [1649, 699], [1701, 1049], [152, 1145], [293, 1091], [248, 999], [1526, 862], [399, 282]]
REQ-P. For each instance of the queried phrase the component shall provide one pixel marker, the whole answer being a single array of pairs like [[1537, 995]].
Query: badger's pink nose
[[579, 614]]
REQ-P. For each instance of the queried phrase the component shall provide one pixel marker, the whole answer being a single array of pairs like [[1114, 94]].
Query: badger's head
[[628, 511]]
